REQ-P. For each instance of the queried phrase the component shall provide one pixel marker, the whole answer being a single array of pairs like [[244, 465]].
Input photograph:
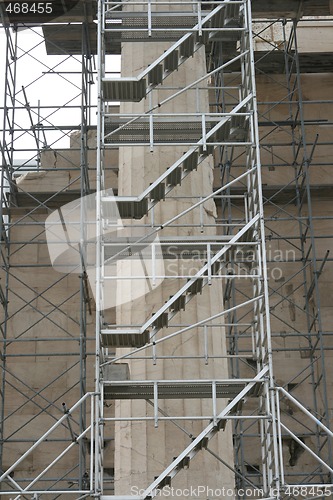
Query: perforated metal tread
[[135, 29], [181, 131], [169, 389]]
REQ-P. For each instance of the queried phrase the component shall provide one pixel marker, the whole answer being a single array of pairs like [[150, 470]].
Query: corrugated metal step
[[179, 304], [196, 287], [186, 48], [126, 209], [155, 76], [175, 177], [202, 444], [165, 482], [161, 321], [191, 162], [158, 192], [215, 267], [208, 150], [118, 338], [222, 134], [232, 16], [124, 89], [171, 62]]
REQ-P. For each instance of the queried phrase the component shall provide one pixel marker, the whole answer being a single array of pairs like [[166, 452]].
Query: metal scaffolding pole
[[85, 363], [36, 302]]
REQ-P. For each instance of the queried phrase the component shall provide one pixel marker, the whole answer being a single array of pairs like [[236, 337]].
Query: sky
[[49, 82]]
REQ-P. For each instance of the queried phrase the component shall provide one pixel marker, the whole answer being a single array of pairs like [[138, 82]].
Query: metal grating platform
[[187, 131], [162, 23], [44, 201], [167, 29], [169, 389], [68, 39], [63, 39]]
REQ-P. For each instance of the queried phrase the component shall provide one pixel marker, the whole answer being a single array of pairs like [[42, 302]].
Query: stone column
[[142, 451]]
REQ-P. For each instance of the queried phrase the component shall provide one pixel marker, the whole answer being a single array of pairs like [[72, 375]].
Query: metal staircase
[[224, 26], [222, 23], [135, 228], [161, 319]]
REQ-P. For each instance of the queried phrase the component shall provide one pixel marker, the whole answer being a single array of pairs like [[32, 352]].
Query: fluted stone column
[[142, 451]]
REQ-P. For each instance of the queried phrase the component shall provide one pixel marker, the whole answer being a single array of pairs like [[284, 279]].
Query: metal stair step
[[124, 209], [124, 89], [232, 16], [191, 162], [196, 287], [186, 48], [203, 38], [165, 482], [209, 150], [184, 464], [215, 267], [155, 76], [175, 177], [117, 338], [171, 61], [158, 192], [161, 321], [179, 304], [203, 443]]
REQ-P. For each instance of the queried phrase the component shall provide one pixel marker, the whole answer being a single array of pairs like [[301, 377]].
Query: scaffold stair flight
[[199, 443], [223, 22], [120, 337], [231, 128]]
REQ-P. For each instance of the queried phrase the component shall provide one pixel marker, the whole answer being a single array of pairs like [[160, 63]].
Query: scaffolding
[[268, 252]]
